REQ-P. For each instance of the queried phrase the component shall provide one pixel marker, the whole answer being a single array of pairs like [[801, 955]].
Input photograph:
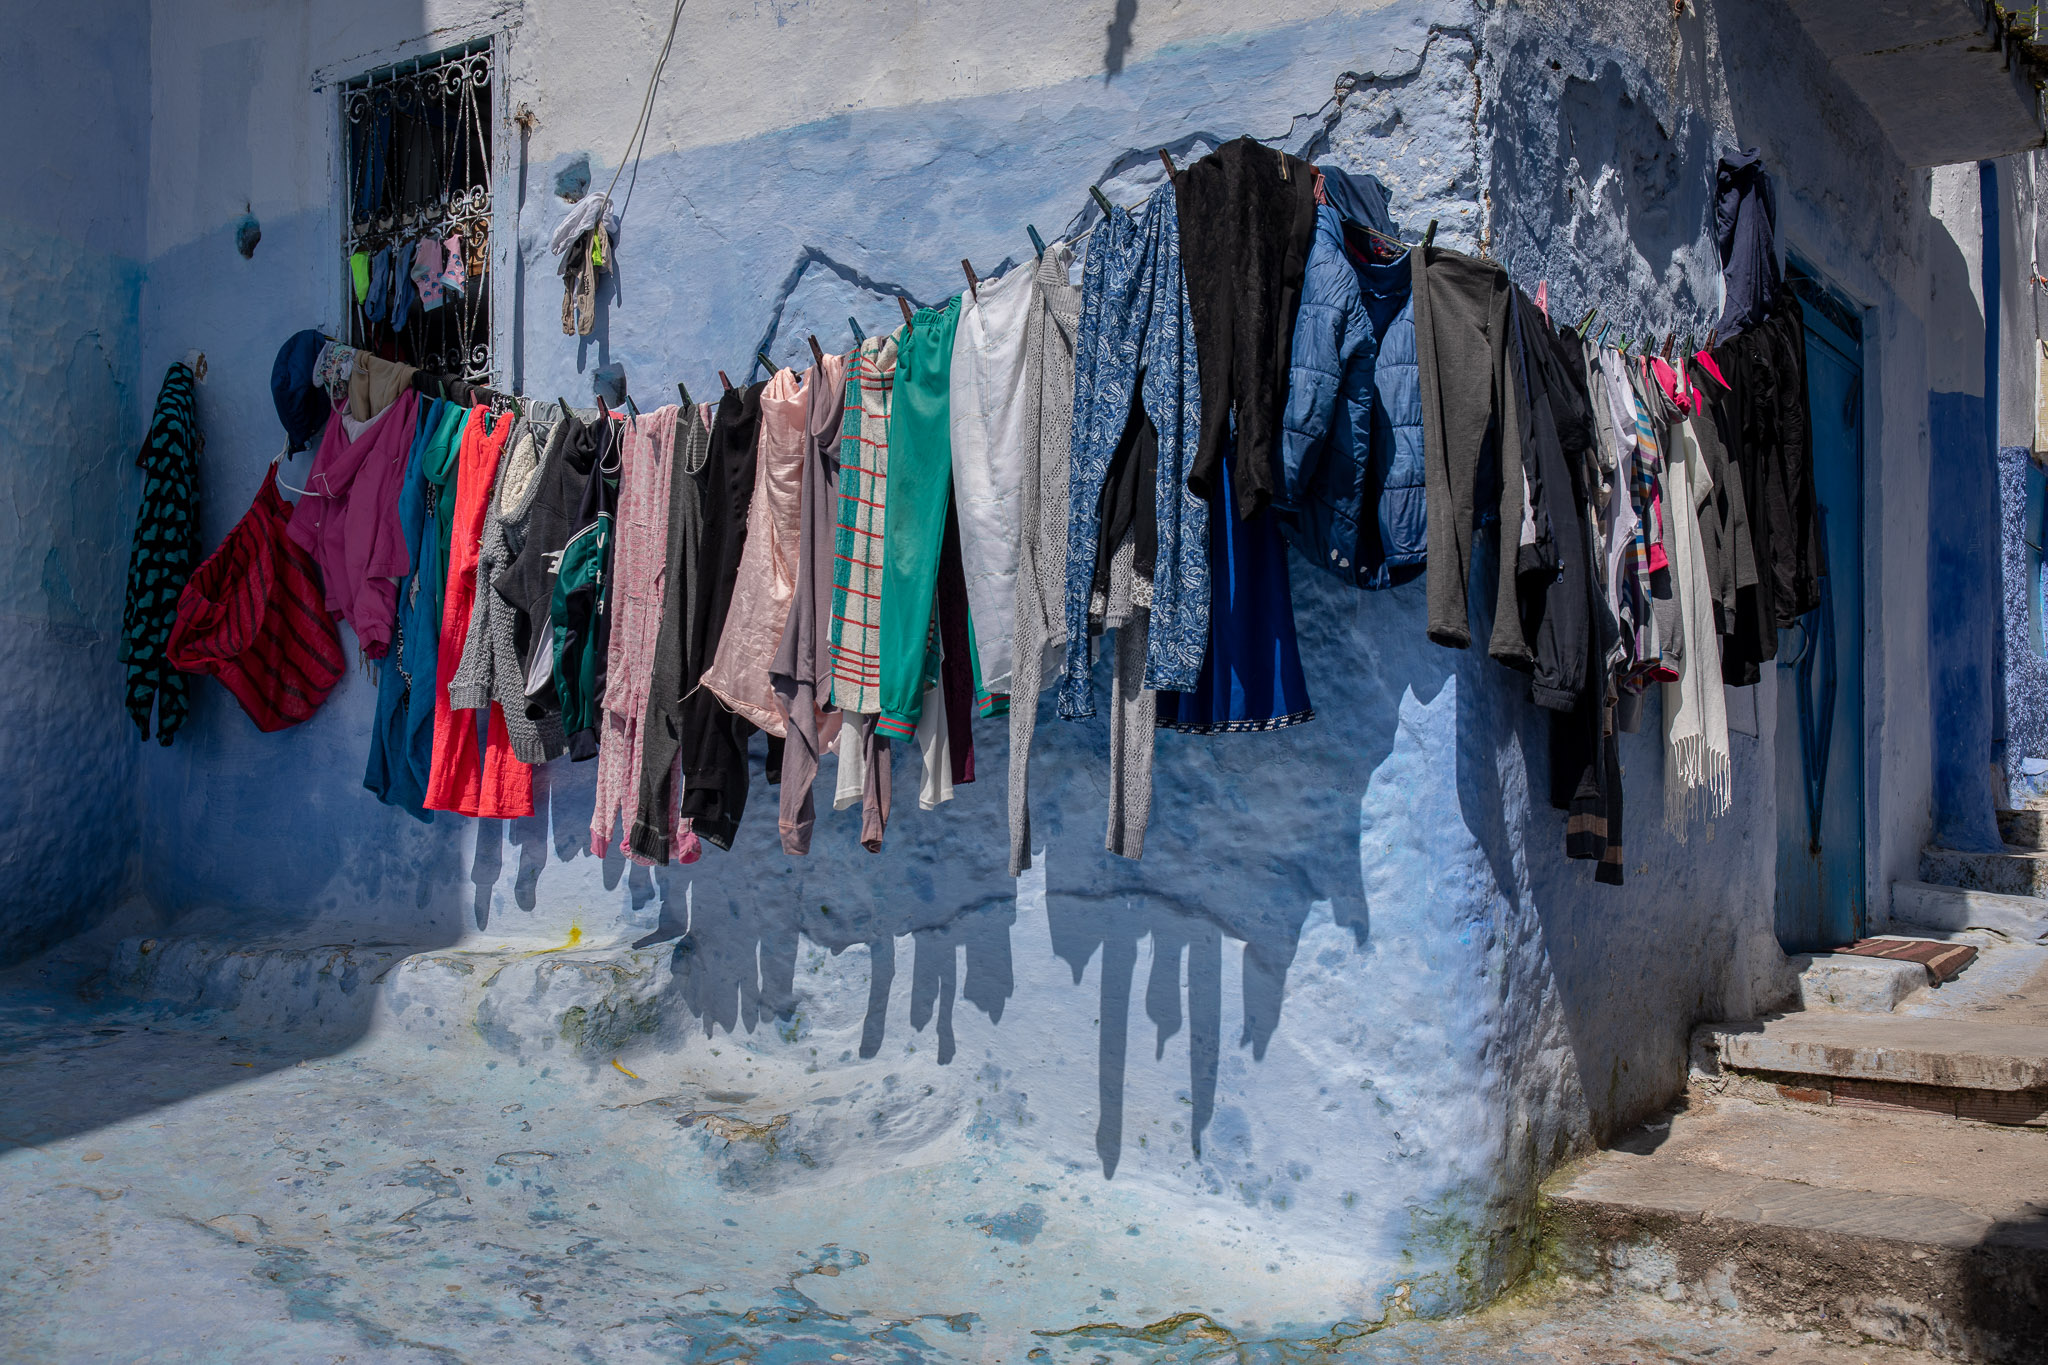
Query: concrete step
[[2014, 872], [2026, 829], [1914, 1231], [1990, 1071], [1954, 908], [1848, 981], [521, 1000]]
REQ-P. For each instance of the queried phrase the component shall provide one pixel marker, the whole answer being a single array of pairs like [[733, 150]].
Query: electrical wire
[[637, 143]]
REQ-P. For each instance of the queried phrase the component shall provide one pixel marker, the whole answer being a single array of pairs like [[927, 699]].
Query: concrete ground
[[1998, 1173], [2007, 984], [176, 1191], [1828, 1188]]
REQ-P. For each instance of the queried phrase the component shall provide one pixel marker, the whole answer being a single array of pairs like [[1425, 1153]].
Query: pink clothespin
[[1543, 298]]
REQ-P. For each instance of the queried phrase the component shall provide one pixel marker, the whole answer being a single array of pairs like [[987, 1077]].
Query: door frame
[[1876, 900], [1876, 889]]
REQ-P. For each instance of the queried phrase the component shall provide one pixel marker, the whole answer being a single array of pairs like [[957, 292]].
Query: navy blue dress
[[1251, 675]]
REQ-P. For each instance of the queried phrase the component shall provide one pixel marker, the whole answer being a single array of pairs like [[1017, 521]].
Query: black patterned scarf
[[165, 541]]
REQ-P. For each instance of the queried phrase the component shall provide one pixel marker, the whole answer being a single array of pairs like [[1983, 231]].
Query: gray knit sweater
[[491, 669], [1041, 641]]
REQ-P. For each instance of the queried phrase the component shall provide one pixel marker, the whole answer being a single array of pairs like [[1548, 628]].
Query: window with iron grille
[[418, 213]]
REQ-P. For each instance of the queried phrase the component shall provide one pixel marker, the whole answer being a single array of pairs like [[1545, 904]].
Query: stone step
[[2014, 872], [2027, 829], [1995, 1072], [1848, 981], [1914, 1231], [520, 1000], [1954, 908]]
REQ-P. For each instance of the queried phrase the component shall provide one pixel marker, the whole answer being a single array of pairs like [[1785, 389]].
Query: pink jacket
[[348, 520]]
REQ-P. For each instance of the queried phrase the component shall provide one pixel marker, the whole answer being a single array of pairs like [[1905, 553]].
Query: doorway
[[1821, 895]]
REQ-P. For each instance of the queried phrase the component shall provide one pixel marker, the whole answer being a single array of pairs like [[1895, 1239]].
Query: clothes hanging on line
[[252, 616], [401, 754], [166, 543], [639, 554], [580, 647], [348, 518], [491, 783], [1136, 345], [500, 637], [950, 519], [654, 836], [801, 672]]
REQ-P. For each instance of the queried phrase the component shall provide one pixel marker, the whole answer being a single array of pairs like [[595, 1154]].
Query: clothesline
[[889, 544]]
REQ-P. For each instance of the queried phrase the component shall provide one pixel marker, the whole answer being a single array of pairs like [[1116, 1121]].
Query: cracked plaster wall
[[1380, 1003], [70, 277], [1597, 197]]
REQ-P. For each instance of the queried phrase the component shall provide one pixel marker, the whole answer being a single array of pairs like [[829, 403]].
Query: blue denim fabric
[[1135, 333], [402, 735]]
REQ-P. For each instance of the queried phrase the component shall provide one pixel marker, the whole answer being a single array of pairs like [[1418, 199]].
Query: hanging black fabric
[[1554, 570], [714, 740], [166, 542], [1247, 221], [1745, 226]]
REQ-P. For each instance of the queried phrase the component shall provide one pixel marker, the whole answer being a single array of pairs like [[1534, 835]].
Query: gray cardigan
[[491, 669]]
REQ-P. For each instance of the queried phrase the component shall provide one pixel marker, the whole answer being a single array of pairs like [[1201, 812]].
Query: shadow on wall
[[1119, 31], [1608, 205], [1249, 836]]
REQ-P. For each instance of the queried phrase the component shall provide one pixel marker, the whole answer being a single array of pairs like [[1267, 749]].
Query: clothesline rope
[[637, 143]]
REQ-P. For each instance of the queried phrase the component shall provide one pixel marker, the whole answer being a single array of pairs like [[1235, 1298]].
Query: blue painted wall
[[71, 248], [1965, 599], [1377, 1002], [2021, 517]]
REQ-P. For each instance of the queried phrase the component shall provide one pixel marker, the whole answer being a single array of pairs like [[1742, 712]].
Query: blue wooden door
[[1820, 661]]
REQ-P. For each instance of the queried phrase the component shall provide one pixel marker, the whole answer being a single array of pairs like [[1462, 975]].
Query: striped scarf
[[855, 638]]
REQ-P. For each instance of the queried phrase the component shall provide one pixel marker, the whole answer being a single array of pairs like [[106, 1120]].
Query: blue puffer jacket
[[1351, 495]]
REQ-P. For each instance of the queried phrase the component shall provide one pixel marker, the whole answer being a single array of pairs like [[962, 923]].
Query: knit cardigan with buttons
[[492, 667]]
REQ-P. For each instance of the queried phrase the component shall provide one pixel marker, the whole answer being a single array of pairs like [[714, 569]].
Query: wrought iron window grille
[[419, 140]]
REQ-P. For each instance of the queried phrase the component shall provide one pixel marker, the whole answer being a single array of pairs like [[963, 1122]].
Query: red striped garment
[[254, 616], [857, 537]]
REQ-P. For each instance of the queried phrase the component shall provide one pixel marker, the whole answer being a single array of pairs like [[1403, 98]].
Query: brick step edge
[[2008, 1108]]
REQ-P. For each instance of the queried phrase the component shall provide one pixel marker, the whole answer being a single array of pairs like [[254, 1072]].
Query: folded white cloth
[[582, 216]]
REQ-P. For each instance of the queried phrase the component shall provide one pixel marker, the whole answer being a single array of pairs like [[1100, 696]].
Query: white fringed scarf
[[1697, 771]]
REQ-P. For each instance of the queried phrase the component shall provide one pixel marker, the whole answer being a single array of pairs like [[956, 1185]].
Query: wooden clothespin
[[973, 285], [723, 380], [1101, 199], [1173, 171], [858, 335], [1713, 334], [762, 356], [604, 413], [1670, 339], [817, 351], [1429, 237], [682, 393], [905, 305], [1037, 242]]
